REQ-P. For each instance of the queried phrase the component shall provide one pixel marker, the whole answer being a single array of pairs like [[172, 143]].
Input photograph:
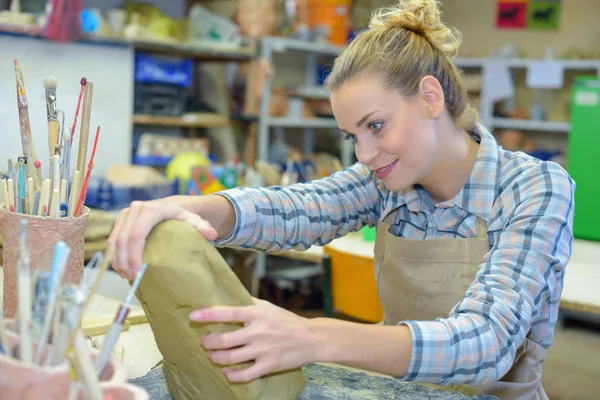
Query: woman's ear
[[432, 93]]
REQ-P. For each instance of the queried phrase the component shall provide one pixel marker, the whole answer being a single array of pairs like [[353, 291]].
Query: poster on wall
[[528, 14]]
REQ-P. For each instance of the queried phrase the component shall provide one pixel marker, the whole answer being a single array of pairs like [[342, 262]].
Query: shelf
[[467, 62], [208, 52], [545, 126], [197, 120], [282, 44], [303, 123]]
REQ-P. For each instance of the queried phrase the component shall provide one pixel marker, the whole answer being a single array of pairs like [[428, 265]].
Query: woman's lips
[[385, 171]]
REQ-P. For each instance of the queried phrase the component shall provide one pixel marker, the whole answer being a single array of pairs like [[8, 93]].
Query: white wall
[[110, 68]]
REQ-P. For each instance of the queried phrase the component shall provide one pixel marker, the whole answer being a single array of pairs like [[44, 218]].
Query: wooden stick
[[44, 199], [5, 194], [11, 195], [30, 195], [84, 185], [55, 204], [74, 192], [85, 127]]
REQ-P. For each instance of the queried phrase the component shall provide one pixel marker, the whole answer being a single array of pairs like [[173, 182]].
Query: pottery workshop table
[[580, 295]]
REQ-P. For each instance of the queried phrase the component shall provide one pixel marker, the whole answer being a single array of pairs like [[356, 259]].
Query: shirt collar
[[478, 195]]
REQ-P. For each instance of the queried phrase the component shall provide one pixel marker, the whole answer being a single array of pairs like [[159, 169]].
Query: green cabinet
[[583, 162]]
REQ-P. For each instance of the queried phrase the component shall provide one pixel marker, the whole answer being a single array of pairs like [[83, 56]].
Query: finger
[[224, 314], [148, 217], [227, 340], [232, 357], [201, 225], [123, 240], [112, 242], [255, 371]]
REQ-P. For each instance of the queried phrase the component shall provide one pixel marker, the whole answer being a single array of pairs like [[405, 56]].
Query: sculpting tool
[[84, 185], [55, 207], [44, 199], [117, 326], [41, 282], [3, 339], [66, 162], [50, 84], [30, 196], [11, 195], [74, 195], [26, 137], [67, 325], [5, 194], [87, 297], [55, 185], [57, 269], [63, 197], [85, 127], [22, 185], [24, 289], [86, 368]]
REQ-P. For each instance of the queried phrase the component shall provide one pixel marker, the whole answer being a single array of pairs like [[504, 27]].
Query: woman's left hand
[[274, 338]]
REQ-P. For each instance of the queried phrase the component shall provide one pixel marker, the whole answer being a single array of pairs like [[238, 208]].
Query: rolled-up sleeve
[[298, 216], [521, 276]]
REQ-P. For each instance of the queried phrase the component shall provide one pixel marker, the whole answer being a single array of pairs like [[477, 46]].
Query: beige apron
[[424, 279]]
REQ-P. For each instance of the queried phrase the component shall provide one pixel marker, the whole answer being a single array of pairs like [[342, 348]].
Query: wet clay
[[185, 272]]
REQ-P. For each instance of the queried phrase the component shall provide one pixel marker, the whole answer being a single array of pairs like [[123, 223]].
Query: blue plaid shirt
[[528, 206]]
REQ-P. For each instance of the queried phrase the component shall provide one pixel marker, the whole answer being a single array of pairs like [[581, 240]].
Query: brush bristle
[[50, 82]]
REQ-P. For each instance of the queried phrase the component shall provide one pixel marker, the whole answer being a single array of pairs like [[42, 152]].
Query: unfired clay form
[[185, 272]]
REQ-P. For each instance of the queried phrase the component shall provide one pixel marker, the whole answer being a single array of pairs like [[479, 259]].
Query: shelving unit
[[311, 50], [487, 104]]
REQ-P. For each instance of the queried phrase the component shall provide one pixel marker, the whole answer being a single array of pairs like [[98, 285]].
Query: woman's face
[[393, 136]]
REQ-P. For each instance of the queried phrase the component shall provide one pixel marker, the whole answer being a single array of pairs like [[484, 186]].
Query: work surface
[[140, 355]]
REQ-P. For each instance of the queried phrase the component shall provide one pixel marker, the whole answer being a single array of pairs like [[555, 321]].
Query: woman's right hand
[[134, 224]]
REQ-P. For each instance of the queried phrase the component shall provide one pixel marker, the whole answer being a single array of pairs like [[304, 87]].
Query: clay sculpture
[[186, 272]]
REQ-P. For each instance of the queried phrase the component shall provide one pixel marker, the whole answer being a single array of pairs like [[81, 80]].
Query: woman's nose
[[366, 152]]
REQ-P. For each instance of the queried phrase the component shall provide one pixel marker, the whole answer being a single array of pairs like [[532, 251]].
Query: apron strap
[[481, 228]]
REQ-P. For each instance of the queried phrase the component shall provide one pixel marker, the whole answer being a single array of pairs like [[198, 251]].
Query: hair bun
[[422, 17]]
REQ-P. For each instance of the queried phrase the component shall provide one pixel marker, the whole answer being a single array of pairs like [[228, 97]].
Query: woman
[[472, 240]]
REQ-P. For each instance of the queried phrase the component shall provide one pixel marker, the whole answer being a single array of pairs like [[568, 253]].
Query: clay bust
[[185, 272]]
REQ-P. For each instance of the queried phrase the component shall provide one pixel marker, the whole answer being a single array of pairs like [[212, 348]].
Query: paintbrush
[[24, 289], [83, 83], [50, 84], [26, 137], [117, 326]]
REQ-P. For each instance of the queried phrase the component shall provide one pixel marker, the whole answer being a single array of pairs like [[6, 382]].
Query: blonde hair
[[407, 43]]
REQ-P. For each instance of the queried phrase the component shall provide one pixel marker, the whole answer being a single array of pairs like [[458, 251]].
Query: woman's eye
[[351, 137], [375, 126]]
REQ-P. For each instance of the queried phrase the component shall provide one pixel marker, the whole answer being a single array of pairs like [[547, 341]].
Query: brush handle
[[52, 136]]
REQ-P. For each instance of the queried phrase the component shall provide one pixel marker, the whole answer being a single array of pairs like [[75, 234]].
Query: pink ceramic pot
[[42, 234], [30, 382]]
